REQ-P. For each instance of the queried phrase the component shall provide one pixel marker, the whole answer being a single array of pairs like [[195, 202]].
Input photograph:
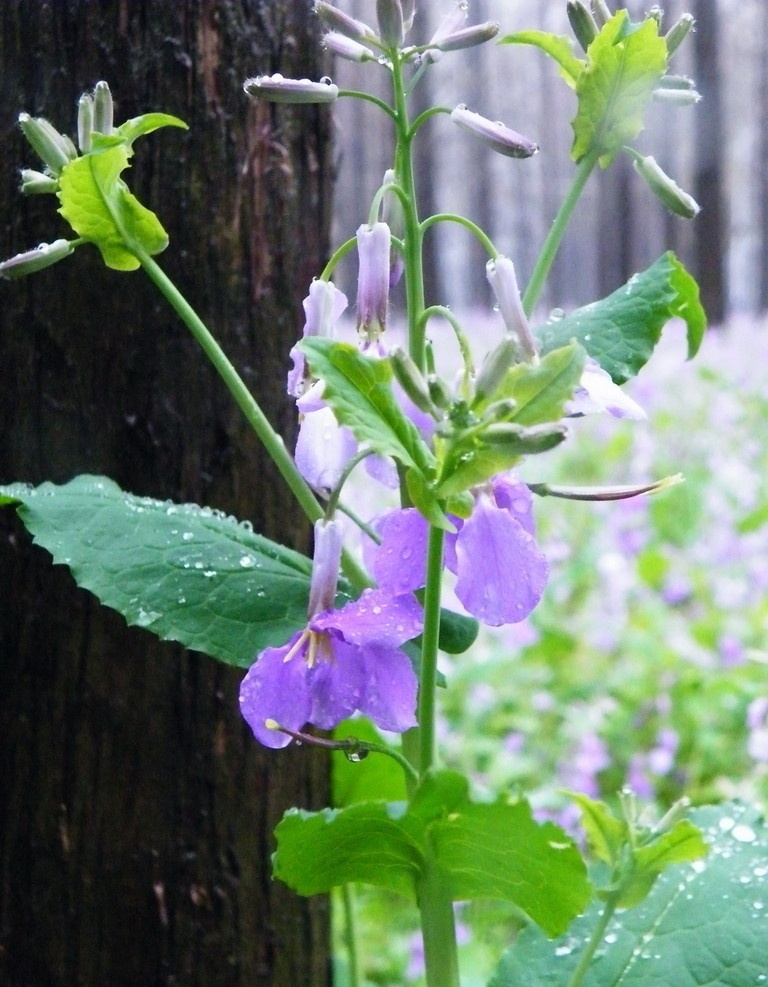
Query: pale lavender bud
[[676, 97], [338, 21], [35, 260], [339, 44], [409, 10], [103, 110], [502, 279], [373, 244], [277, 89], [494, 133], [84, 122], [601, 12], [323, 308], [392, 214], [391, 27], [468, 37], [326, 560], [54, 148], [37, 183]]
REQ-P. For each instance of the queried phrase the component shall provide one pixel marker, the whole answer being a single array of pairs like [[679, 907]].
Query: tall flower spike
[[344, 660], [373, 244]]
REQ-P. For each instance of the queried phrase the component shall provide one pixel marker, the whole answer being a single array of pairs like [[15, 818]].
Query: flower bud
[[468, 37], [665, 189], [342, 23], [339, 44], [582, 23], [54, 148], [601, 13], [84, 122], [678, 33], [494, 134], [676, 97], [35, 260], [392, 214], [103, 110], [391, 26], [522, 440], [373, 243], [277, 89], [494, 369], [412, 381], [501, 276], [409, 10], [438, 392], [36, 183], [326, 561]]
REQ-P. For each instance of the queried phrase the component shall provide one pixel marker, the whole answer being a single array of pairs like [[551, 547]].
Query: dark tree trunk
[[135, 809], [709, 263]]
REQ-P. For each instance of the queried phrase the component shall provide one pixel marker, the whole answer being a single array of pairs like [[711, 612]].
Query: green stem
[[256, 418], [438, 927], [585, 960], [429, 649], [474, 229], [350, 937], [557, 232]]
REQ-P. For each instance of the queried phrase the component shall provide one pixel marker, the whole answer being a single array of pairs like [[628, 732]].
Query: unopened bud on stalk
[[601, 12], [676, 97], [37, 183], [678, 32], [84, 122], [494, 369], [494, 133], [502, 279], [468, 37], [409, 9], [54, 148], [664, 188], [339, 44], [392, 214], [277, 89], [373, 243], [103, 110], [391, 26], [582, 23], [524, 440], [412, 381], [438, 392], [35, 260], [338, 21]]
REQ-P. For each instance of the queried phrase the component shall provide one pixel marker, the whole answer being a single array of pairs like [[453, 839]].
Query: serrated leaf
[[702, 925], [147, 123], [97, 204], [557, 46], [623, 68], [475, 850], [186, 573], [358, 389], [621, 331]]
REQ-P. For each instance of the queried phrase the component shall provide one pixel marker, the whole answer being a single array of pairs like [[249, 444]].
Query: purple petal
[[400, 562], [373, 279], [326, 561], [376, 617], [323, 449], [323, 308], [337, 683], [390, 689], [597, 392], [501, 570], [513, 496], [276, 689]]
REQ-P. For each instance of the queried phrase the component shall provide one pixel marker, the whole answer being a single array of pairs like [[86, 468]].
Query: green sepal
[[621, 331]]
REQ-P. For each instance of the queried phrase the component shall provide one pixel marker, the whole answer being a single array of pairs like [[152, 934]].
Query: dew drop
[[247, 561], [743, 833]]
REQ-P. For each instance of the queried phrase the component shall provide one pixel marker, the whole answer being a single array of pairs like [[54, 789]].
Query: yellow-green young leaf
[[623, 68], [97, 204], [557, 46], [606, 834], [541, 391]]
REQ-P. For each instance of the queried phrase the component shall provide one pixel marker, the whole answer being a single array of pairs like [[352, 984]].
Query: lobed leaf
[[557, 46], [621, 331]]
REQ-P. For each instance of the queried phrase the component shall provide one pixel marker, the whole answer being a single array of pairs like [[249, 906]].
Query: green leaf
[[621, 331], [702, 925], [606, 834], [557, 46], [458, 632], [614, 89], [376, 777], [97, 204], [358, 390], [541, 391], [475, 850], [186, 573], [147, 123]]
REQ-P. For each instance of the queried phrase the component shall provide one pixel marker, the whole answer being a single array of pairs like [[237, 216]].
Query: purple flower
[[344, 660], [323, 449], [501, 570], [373, 243], [323, 308], [597, 392]]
